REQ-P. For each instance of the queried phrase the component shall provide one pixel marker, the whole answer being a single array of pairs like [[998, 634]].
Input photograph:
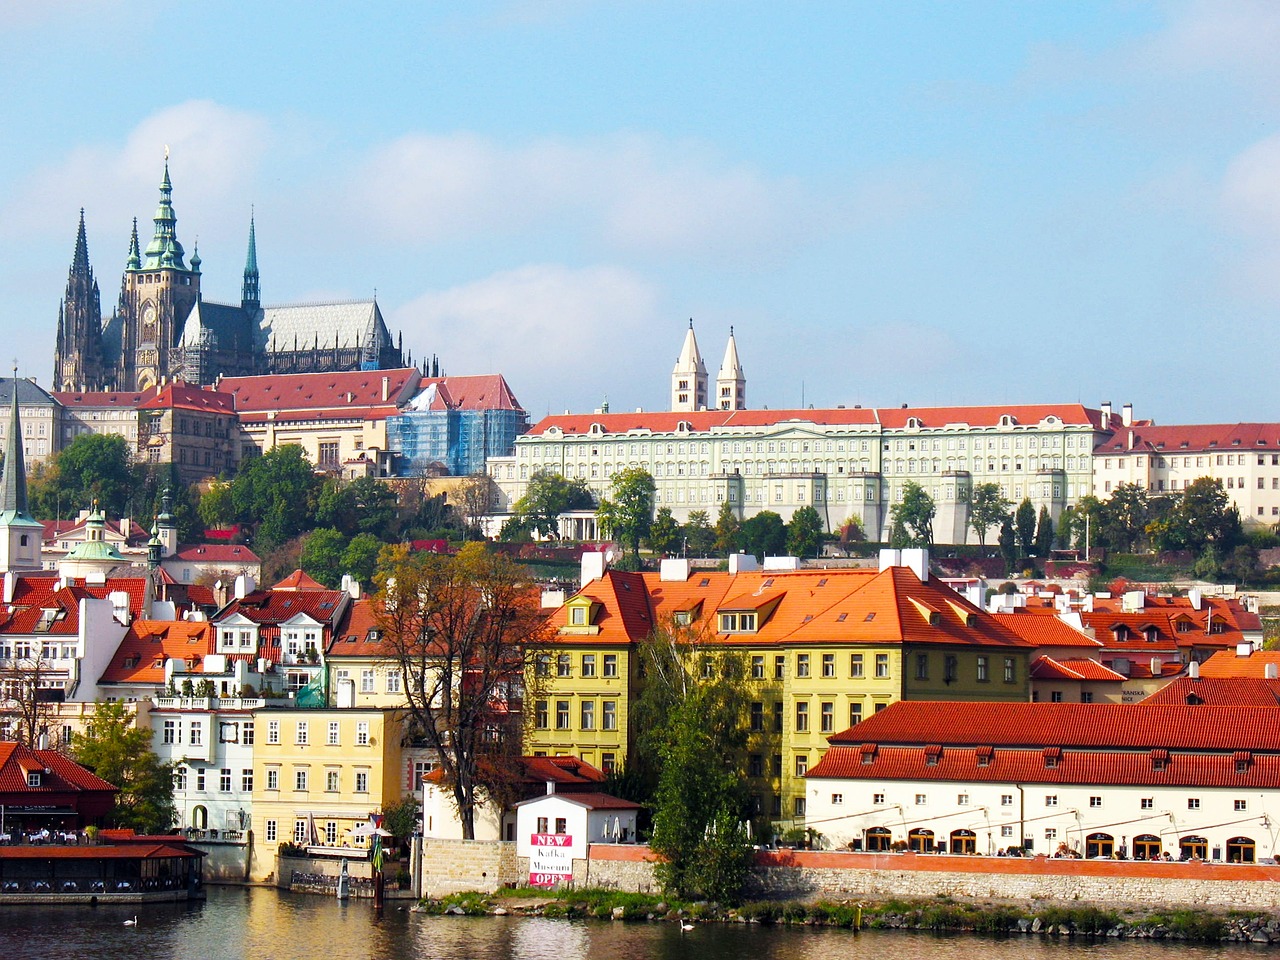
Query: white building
[[1137, 780]]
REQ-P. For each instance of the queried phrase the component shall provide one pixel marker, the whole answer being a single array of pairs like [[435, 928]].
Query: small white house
[[583, 818]]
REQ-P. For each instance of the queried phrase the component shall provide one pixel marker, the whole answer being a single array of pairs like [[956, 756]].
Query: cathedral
[[162, 328]]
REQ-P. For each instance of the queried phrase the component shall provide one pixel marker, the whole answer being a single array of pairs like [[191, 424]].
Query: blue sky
[[922, 203]]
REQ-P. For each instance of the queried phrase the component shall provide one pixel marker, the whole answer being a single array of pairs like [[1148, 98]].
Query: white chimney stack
[[1106, 414], [1193, 670], [674, 569], [593, 565], [742, 563], [1271, 671], [1126, 414]]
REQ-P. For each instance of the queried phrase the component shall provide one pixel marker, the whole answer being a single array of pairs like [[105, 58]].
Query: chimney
[[917, 558], [1157, 666], [551, 787], [1244, 649], [1271, 671], [244, 586], [1126, 414], [674, 569], [1195, 597], [386, 389], [1106, 414], [742, 563], [1193, 670], [593, 565], [890, 558]]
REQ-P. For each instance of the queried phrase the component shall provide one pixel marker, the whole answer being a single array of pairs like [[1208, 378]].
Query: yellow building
[[318, 773], [363, 671], [823, 649]]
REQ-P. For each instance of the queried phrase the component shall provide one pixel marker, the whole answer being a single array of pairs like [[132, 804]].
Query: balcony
[[209, 703]]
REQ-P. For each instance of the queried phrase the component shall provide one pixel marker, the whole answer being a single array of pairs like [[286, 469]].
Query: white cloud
[[1251, 188], [551, 329], [1242, 35]]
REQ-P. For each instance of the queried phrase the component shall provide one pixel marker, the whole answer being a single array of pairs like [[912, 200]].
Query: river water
[[247, 924]]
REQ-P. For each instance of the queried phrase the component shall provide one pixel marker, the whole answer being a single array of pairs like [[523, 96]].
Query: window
[[922, 666], [367, 681], [578, 616], [331, 778], [798, 804], [246, 732], [610, 664], [1242, 805], [333, 736], [542, 665], [562, 825], [802, 664], [1006, 799], [609, 715], [271, 828], [362, 733], [827, 722], [757, 668], [608, 762], [170, 731], [1006, 830], [777, 716], [828, 664], [197, 734], [921, 799], [301, 732], [1051, 833], [362, 781], [1008, 670], [738, 622], [588, 714], [224, 780], [541, 715], [757, 716], [200, 779], [1051, 800], [273, 779], [300, 780], [779, 667], [837, 799], [962, 800], [393, 681], [855, 665], [1095, 802], [299, 831], [877, 798], [1193, 803], [246, 780], [802, 765], [755, 765], [564, 667], [982, 670], [1055, 696], [1147, 803], [950, 668], [180, 779], [588, 664], [562, 714], [855, 714], [802, 717], [33, 779]]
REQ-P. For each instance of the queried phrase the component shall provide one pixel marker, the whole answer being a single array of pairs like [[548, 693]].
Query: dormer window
[[33, 779], [578, 616], [1159, 759], [1051, 757], [743, 622]]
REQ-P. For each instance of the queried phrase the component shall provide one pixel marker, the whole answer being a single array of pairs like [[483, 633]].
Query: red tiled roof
[[353, 636], [128, 851], [888, 417], [182, 396], [1070, 725], [65, 775], [1230, 437], [567, 773], [216, 553], [1044, 628], [273, 607], [1225, 663], [487, 392], [1046, 668], [1219, 691], [357, 393], [147, 644], [128, 399], [298, 581], [591, 800]]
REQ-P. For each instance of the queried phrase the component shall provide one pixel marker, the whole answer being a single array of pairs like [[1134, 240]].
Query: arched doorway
[[921, 841], [200, 818], [1241, 850], [964, 841], [879, 839], [1193, 847], [1099, 845], [1146, 846]]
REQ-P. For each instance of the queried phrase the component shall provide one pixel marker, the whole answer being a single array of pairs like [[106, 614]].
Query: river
[[256, 924]]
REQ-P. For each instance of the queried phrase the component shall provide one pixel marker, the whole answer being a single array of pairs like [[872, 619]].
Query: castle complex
[[162, 328]]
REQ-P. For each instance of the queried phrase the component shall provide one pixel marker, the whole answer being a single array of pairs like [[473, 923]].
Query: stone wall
[[286, 867], [454, 866], [224, 862]]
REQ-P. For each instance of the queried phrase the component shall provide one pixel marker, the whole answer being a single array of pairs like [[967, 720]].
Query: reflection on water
[[248, 924]]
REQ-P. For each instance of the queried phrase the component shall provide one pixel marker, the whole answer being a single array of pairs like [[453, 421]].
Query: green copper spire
[[249, 291], [135, 255], [164, 250], [13, 486]]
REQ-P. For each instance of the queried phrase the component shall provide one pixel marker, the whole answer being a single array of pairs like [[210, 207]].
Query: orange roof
[[331, 395], [1043, 627], [183, 396], [1198, 438], [16, 761], [147, 644], [1046, 668], [1220, 691], [354, 635], [299, 581], [1225, 663], [486, 392]]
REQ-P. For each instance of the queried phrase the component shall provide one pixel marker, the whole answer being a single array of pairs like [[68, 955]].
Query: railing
[[209, 703], [214, 836]]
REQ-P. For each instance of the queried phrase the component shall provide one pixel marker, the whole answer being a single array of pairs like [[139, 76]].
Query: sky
[[889, 202]]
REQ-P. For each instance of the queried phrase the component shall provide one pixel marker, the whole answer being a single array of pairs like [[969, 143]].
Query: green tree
[[1125, 516], [1024, 522], [804, 532], [93, 467], [1087, 522], [915, 512], [728, 530], [360, 559], [276, 491], [764, 535], [322, 552], [699, 535], [627, 514], [546, 498], [664, 532], [1044, 533], [1008, 544], [987, 508], [1067, 528], [401, 819], [1241, 565], [851, 532], [120, 753], [692, 718], [216, 508], [1207, 517]]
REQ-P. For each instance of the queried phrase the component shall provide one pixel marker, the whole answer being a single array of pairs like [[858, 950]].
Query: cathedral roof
[[309, 326], [226, 325], [29, 393]]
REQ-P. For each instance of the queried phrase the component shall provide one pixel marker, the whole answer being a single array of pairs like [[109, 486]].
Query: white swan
[[131, 923]]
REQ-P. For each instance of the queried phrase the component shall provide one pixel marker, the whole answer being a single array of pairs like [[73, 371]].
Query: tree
[[851, 532], [987, 508], [692, 718], [120, 753], [276, 491], [728, 530], [474, 502], [547, 496], [363, 505], [322, 555], [1044, 533], [25, 707], [360, 559], [1067, 528], [1024, 522], [700, 537], [1008, 544], [461, 630], [664, 532], [402, 819], [764, 535], [216, 508], [626, 516], [915, 512], [1206, 516], [804, 532], [94, 467], [1125, 516]]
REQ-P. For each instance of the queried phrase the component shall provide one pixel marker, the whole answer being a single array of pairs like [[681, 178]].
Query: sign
[[550, 859]]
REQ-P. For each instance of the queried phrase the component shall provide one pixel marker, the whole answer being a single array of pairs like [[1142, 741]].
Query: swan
[[686, 927], [131, 923]]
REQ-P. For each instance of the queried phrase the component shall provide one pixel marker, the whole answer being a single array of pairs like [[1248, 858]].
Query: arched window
[[1190, 847], [964, 841], [878, 839], [1099, 845], [1241, 850], [1146, 846], [921, 841]]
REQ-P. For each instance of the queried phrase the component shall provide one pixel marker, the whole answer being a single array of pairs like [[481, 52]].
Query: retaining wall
[[455, 866]]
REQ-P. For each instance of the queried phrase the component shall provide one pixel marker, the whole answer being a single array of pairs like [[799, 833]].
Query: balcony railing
[[209, 703]]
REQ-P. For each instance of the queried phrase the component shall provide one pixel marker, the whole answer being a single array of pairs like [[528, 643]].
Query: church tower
[[20, 533], [156, 294], [731, 382], [250, 297], [78, 362], [689, 378]]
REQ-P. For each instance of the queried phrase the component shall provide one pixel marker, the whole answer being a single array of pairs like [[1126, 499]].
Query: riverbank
[[937, 915]]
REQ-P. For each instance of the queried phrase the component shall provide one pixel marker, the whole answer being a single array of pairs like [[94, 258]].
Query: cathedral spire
[[13, 485], [689, 378], [731, 382], [77, 363], [80, 259], [134, 262], [164, 250], [250, 298]]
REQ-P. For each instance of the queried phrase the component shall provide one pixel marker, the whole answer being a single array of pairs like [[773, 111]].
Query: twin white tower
[[689, 379]]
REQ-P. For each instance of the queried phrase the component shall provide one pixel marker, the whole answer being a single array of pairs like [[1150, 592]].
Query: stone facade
[[455, 866]]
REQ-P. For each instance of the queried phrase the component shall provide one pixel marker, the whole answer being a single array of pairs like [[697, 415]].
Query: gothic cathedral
[[163, 328]]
